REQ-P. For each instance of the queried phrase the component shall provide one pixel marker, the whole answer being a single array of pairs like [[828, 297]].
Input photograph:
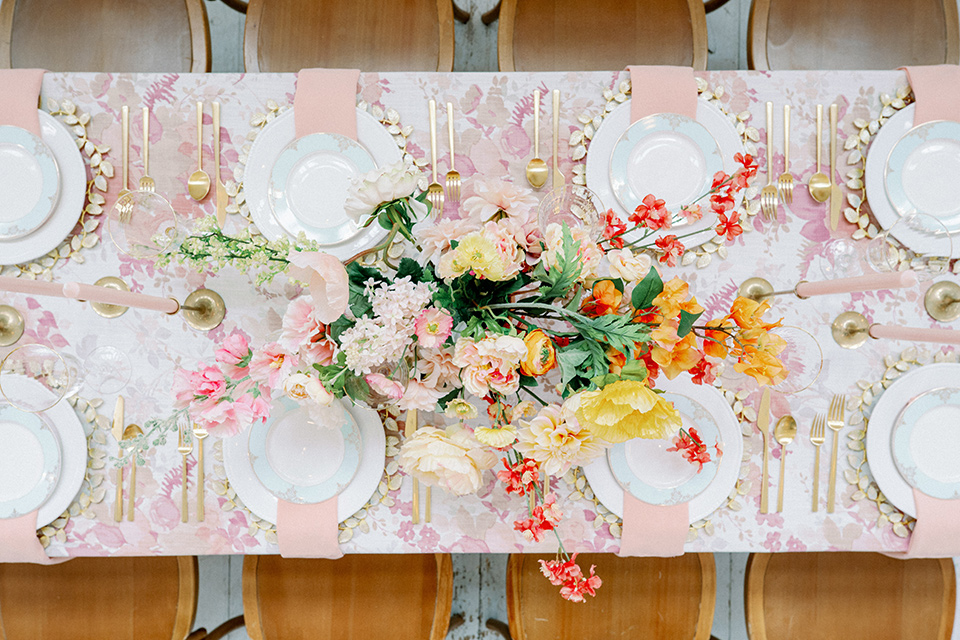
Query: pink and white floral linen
[[494, 140]]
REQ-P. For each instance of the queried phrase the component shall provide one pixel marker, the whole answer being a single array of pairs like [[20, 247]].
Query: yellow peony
[[627, 409], [475, 253]]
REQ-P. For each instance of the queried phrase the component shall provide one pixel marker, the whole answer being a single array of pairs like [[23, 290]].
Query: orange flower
[[683, 357], [604, 300], [541, 354], [747, 313], [617, 360], [665, 335], [763, 366], [671, 298], [715, 342]]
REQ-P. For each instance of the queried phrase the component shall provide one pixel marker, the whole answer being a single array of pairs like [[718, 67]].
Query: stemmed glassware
[[60, 374]]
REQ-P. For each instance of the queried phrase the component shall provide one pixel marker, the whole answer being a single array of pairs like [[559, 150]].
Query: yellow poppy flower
[[627, 409]]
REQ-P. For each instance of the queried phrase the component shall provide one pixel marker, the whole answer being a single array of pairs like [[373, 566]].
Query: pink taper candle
[[93, 293], [915, 334], [34, 287], [899, 280]]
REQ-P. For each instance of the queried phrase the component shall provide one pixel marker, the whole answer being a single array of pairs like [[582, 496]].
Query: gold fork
[[785, 181], [768, 196], [434, 191], [453, 178], [184, 447], [817, 439], [835, 422]]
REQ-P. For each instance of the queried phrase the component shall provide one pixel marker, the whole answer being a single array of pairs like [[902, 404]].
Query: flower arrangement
[[540, 345]]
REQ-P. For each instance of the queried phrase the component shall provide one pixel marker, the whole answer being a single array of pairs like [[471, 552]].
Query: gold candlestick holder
[[110, 310], [203, 309], [11, 325], [850, 329], [758, 289], [942, 301]]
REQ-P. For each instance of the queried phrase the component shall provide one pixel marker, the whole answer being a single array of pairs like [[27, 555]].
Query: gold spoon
[[132, 431], [819, 182], [125, 151], [536, 169], [199, 183], [784, 432]]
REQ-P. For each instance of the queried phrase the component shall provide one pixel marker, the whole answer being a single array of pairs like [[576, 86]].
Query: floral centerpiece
[[540, 345]]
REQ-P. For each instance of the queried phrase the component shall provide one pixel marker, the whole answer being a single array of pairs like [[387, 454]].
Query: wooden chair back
[[853, 34], [652, 598], [376, 597], [152, 598], [569, 35], [854, 596], [105, 35], [372, 35]]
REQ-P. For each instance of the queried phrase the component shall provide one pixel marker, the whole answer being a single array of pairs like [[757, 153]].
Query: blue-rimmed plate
[[926, 443], [922, 173], [29, 461], [29, 182], [654, 475], [298, 459], [668, 155], [309, 184]]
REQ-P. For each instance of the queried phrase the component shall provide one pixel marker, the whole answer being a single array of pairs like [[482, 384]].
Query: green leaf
[[445, 400], [617, 282], [686, 322], [634, 370], [569, 358], [617, 331], [410, 267], [562, 277], [338, 326], [649, 288], [528, 381]]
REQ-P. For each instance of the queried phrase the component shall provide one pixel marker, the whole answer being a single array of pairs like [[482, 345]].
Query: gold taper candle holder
[[110, 310], [850, 329], [758, 289], [942, 301], [204, 309], [11, 325]]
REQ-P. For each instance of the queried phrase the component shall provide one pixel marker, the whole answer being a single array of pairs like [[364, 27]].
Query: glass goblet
[[60, 374], [575, 205], [890, 251], [142, 224]]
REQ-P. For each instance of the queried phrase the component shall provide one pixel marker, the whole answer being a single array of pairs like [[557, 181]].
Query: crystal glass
[[802, 357], [142, 224], [575, 205], [358, 389], [59, 373], [108, 369], [840, 259], [887, 252]]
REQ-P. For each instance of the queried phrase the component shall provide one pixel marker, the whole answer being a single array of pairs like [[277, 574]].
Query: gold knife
[[221, 190], [558, 179], [835, 195], [117, 432], [763, 423], [200, 434]]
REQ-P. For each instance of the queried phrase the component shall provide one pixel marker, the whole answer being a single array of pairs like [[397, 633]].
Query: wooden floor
[[479, 580]]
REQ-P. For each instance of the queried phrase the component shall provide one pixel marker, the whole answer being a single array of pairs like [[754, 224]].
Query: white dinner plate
[[73, 450], [651, 473], [299, 460], [613, 127], [883, 417], [73, 185], [890, 134], [267, 149], [608, 490], [923, 173], [29, 182], [236, 461], [29, 461], [926, 443]]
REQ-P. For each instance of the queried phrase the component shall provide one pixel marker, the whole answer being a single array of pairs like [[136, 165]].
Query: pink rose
[[384, 386], [232, 350], [271, 363], [327, 280], [300, 324], [210, 383], [183, 388]]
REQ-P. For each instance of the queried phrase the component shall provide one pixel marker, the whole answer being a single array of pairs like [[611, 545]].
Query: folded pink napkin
[[653, 530], [662, 90], [18, 539], [937, 90], [18, 99], [937, 531], [308, 530], [326, 102]]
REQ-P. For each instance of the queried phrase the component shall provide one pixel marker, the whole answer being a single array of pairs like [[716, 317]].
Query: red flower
[[671, 248], [519, 478], [652, 213], [718, 179], [704, 372], [721, 201], [534, 527], [568, 575], [694, 451], [614, 229], [729, 227]]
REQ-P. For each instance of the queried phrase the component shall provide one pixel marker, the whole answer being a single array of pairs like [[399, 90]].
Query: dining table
[[493, 128]]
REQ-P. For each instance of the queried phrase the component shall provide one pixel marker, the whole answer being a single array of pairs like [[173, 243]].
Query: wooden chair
[[406, 35], [95, 598], [105, 35], [848, 595], [569, 35], [376, 597], [459, 14], [652, 598], [860, 34]]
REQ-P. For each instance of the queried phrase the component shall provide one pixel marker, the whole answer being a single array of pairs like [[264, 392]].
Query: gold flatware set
[[823, 187], [785, 432], [123, 435]]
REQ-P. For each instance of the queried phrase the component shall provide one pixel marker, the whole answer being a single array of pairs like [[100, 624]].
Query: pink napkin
[[18, 100], [653, 530], [308, 530], [662, 90], [18, 539], [937, 531], [326, 101], [937, 90]]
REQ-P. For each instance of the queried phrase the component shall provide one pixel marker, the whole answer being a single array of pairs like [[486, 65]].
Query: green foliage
[[561, 278], [649, 288], [617, 331], [686, 322]]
